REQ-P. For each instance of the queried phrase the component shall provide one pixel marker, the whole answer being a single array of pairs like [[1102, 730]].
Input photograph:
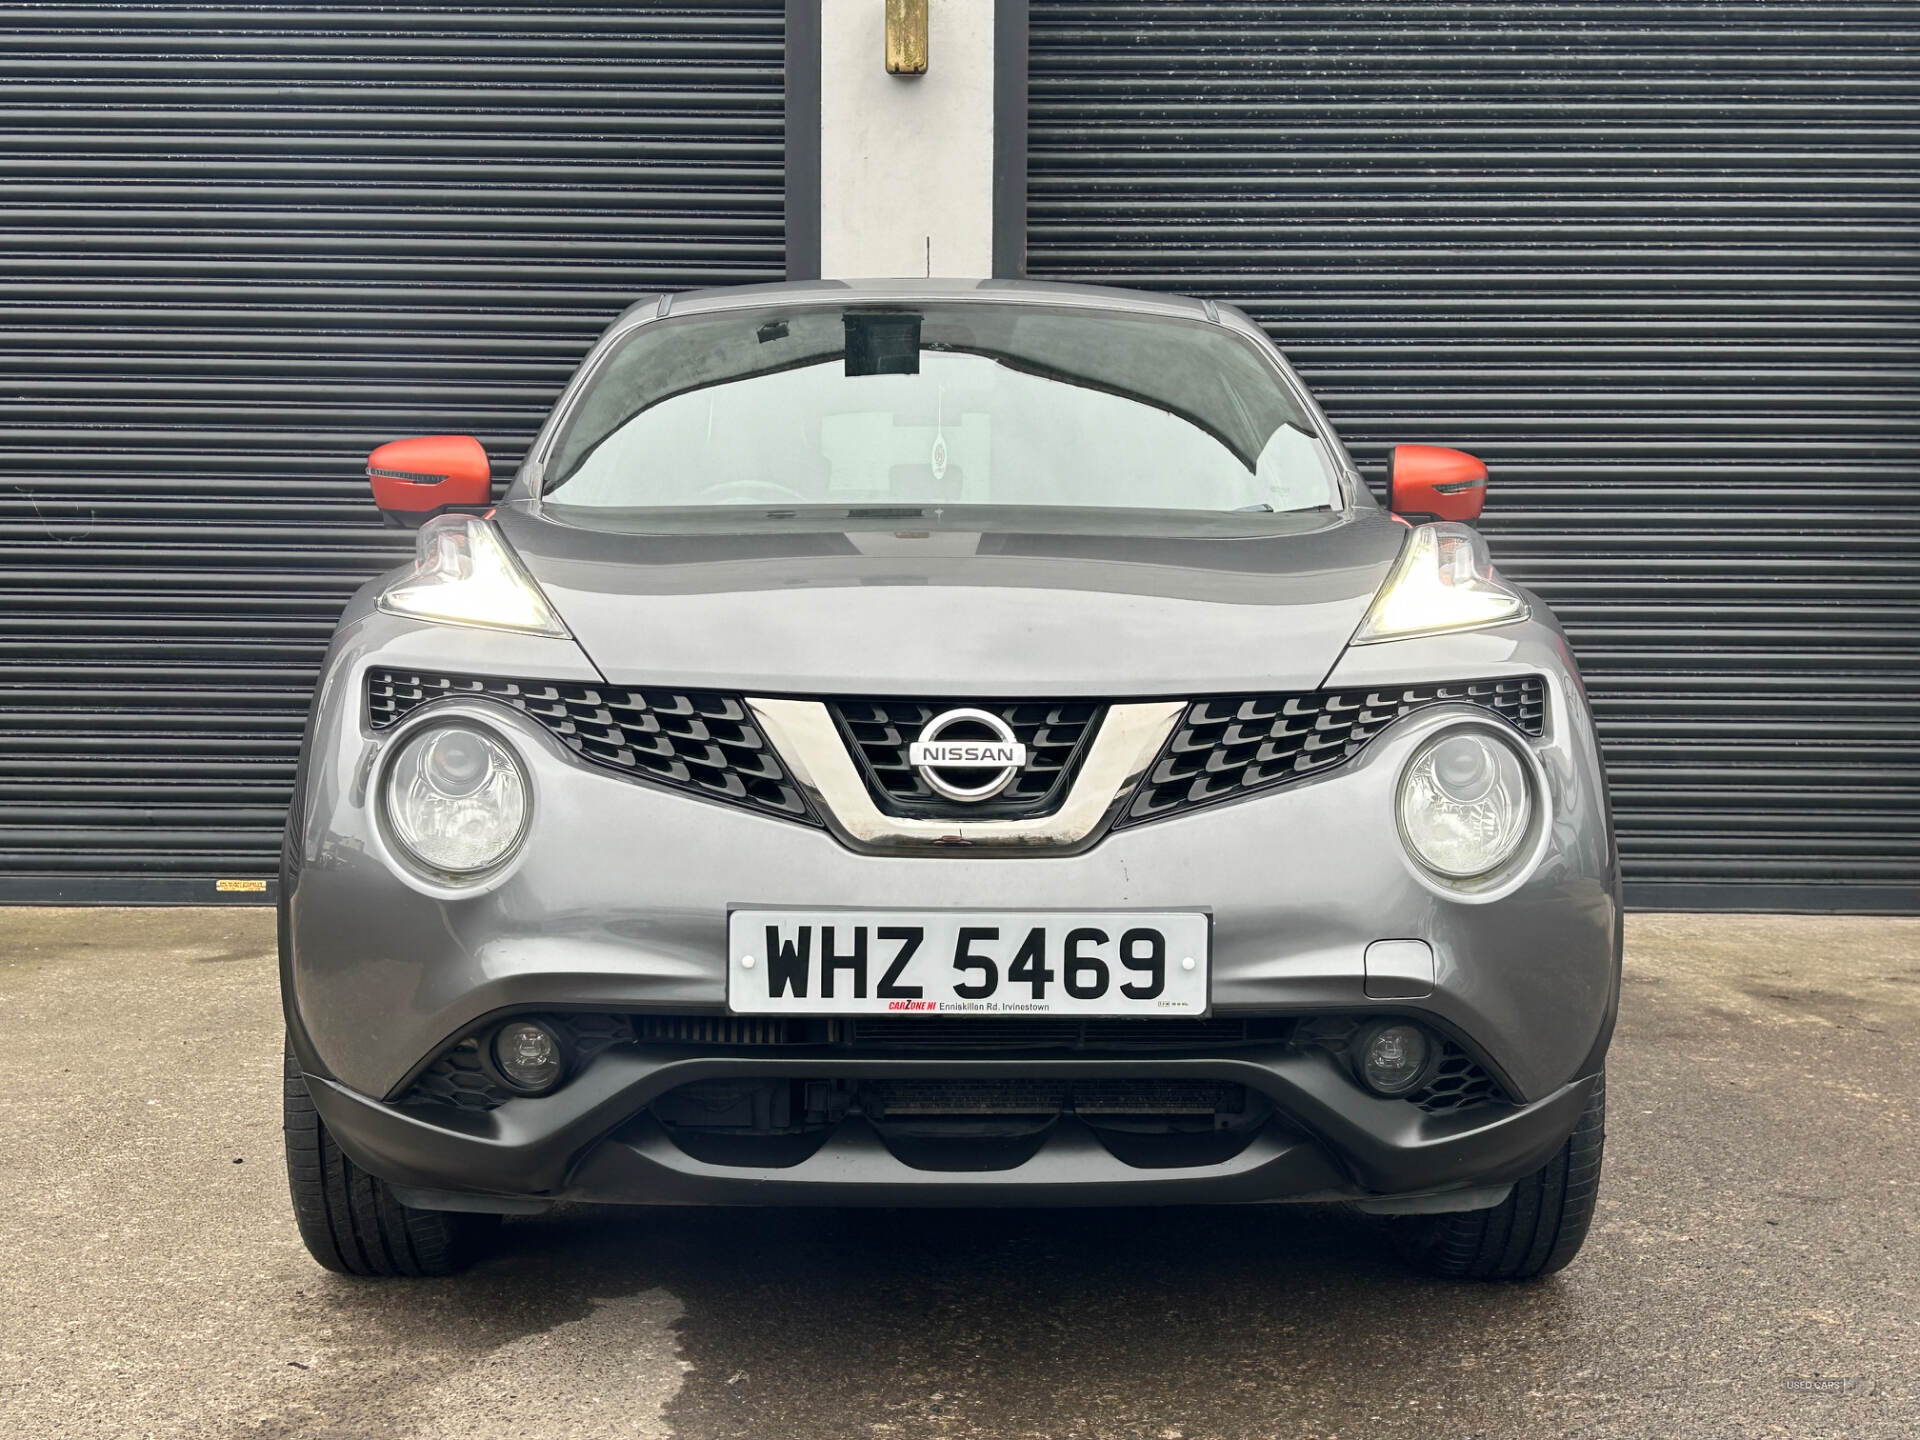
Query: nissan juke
[[921, 743]]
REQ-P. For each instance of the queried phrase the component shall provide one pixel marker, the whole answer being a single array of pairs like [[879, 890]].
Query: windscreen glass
[[991, 404]]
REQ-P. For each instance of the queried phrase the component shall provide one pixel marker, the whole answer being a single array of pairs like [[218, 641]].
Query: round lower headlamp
[[456, 800], [1394, 1057], [1464, 804], [529, 1055]]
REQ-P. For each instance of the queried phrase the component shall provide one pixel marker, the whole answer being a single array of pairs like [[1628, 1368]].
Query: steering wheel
[[745, 489]]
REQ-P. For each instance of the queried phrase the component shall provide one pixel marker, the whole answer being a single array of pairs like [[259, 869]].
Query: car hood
[[1017, 607]]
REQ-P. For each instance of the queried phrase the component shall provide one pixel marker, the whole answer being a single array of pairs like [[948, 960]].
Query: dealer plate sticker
[[950, 962]]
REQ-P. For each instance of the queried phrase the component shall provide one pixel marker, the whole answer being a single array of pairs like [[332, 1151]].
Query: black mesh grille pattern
[[1055, 732], [1235, 745], [693, 740], [457, 1078], [1458, 1084]]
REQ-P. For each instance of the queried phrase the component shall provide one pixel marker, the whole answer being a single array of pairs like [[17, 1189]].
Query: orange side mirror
[[1429, 481], [413, 479]]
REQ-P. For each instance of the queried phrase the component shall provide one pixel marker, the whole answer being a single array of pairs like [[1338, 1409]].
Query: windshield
[[989, 404]]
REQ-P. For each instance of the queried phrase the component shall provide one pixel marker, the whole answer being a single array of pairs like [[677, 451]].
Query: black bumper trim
[[563, 1146]]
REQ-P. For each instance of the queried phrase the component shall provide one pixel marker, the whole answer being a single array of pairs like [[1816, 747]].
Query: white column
[[906, 162]]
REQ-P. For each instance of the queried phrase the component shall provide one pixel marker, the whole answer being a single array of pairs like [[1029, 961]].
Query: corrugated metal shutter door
[[1657, 263], [240, 246]]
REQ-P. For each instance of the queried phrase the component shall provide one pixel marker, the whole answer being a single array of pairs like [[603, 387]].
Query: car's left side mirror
[[415, 479], [1429, 482]]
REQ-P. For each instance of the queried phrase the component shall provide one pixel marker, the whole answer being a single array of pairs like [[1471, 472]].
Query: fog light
[[529, 1056], [1393, 1057]]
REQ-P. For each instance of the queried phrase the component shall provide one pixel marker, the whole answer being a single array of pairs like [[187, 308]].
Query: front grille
[[718, 1030], [693, 740], [1233, 746], [1055, 732]]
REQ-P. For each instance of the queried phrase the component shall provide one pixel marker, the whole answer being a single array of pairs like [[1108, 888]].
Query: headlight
[[463, 574], [456, 800], [1464, 806], [1443, 581]]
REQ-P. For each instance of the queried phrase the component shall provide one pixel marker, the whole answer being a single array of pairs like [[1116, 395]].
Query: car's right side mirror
[[418, 478], [1430, 482]]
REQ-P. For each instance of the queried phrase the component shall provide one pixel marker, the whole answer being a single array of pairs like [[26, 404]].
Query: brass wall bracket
[[906, 37]]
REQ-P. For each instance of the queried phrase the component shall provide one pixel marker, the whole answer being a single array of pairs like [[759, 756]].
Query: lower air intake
[[885, 1099]]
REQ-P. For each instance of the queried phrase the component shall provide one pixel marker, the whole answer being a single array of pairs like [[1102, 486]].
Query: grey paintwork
[[995, 614], [618, 898]]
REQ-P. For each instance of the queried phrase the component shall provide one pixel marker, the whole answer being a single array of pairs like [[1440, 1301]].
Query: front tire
[[1535, 1231], [349, 1219]]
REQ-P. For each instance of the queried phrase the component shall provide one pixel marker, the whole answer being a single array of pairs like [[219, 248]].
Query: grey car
[[945, 743]]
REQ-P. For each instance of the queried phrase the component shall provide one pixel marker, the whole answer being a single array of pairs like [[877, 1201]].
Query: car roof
[[907, 291]]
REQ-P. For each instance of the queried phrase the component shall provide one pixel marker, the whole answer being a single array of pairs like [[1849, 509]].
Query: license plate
[[868, 962]]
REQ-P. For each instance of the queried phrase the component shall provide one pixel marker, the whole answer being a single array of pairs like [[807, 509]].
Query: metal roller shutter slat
[[1657, 264], [239, 246]]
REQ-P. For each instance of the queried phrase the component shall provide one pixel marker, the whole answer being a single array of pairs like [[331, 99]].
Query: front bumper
[[618, 903], [595, 1140]]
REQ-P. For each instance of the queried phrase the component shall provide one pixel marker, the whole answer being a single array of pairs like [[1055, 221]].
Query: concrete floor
[[1759, 1229]]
